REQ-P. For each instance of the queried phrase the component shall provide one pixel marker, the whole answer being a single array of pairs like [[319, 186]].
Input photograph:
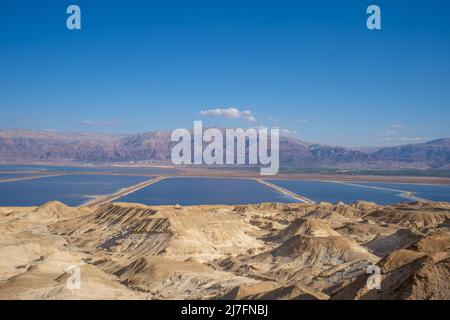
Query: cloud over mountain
[[230, 113], [99, 123]]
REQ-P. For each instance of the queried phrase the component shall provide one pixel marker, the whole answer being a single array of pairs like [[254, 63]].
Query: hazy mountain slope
[[433, 153], [29, 146]]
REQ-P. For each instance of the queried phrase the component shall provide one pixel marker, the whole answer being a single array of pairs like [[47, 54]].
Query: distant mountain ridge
[[21, 146]]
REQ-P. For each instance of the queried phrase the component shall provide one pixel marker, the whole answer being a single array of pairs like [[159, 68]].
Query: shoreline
[[212, 173], [225, 173], [103, 199]]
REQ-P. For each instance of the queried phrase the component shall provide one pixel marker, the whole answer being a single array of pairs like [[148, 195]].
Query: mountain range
[[23, 146]]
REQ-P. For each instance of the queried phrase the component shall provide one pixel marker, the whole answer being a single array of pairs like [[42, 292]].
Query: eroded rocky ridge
[[265, 251]]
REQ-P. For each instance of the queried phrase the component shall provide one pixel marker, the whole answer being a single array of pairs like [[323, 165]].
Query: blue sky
[[311, 68]]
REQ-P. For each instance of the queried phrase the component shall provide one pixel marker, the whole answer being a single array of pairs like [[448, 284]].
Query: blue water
[[18, 175], [194, 191], [72, 169], [72, 190], [429, 192], [333, 192], [75, 189]]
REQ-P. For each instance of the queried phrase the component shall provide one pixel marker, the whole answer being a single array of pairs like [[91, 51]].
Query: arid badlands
[[265, 251]]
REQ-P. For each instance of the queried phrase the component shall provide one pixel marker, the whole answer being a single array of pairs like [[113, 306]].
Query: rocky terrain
[[266, 251], [41, 146]]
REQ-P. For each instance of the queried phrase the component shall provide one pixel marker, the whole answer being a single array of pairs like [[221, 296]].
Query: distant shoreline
[[212, 173], [230, 173]]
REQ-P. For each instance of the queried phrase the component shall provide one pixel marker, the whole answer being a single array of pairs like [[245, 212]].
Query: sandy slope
[[265, 251]]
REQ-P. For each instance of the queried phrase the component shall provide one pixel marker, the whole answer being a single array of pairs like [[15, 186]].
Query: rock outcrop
[[265, 251]]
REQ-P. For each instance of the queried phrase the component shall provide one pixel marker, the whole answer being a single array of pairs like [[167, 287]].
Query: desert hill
[[263, 251]]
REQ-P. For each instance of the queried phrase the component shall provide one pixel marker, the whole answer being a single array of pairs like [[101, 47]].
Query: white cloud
[[95, 123], [302, 120], [414, 138], [393, 136], [406, 139], [262, 127], [23, 119], [288, 131], [387, 133], [273, 120], [247, 115], [230, 113]]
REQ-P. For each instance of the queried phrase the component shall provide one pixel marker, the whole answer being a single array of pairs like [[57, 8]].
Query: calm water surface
[[108, 169], [334, 192], [194, 191], [75, 189], [429, 192], [18, 175], [72, 190]]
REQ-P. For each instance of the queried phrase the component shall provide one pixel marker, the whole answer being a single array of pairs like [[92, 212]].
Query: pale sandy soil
[[266, 251]]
